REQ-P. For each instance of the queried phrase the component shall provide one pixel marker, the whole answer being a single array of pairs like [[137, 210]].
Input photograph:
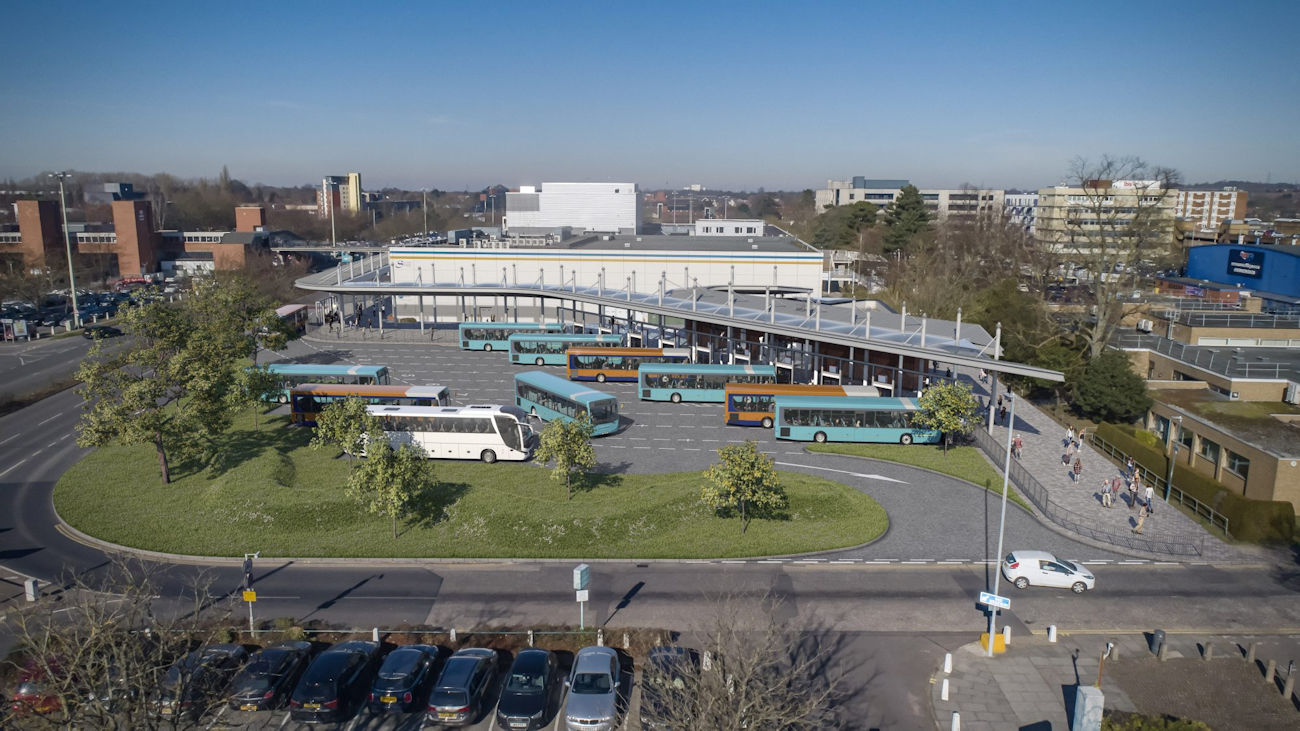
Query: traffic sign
[[581, 575], [993, 600], [582, 595], [250, 595]]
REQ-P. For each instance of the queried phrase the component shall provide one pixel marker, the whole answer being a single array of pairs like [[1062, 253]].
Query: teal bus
[[550, 397], [496, 335], [679, 382], [294, 374], [550, 348], [850, 419]]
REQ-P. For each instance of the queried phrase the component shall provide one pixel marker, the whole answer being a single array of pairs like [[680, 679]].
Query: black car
[[457, 698], [531, 695], [269, 677], [668, 675], [96, 332], [404, 679], [195, 682], [335, 683]]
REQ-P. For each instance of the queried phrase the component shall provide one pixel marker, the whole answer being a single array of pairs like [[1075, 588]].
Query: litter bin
[[1157, 641]]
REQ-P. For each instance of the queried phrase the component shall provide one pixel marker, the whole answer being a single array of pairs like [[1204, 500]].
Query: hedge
[[1254, 521]]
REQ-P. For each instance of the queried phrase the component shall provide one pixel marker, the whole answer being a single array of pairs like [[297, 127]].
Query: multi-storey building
[[340, 193], [1209, 208], [1084, 218], [1022, 209], [941, 201], [579, 207]]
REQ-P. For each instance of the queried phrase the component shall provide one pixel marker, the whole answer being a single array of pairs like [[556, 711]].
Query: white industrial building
[[728, 227], [578, 207]]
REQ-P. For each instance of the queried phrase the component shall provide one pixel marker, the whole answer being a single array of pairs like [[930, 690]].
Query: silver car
[[592, 704]]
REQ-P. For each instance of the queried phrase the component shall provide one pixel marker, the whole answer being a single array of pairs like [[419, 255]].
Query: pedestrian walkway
[[1044, 444]]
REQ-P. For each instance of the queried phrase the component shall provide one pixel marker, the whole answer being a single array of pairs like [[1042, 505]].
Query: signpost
[[250, 596], [993, 600], [581, 577]]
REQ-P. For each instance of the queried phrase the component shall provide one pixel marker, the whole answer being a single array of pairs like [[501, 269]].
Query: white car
[[1040, 568]]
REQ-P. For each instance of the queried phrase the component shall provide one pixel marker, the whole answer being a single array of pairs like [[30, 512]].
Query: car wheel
[[489, 456], [1079, 587], [282, 399], [675, 398], [488, 347], [600, 378], [767, 422], [820, 437], [1022, 583], [905, 439], [540, 361]]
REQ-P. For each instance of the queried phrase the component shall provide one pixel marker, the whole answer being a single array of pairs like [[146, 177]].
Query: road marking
[[950, 562], [846, 560], [52, 418], [727, 560], [12, 467], [843, 472], [10, 439]]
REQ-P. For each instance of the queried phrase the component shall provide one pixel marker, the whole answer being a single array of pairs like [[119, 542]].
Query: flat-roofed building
[[1209, 208], [881, 192], [612, 208], [1101, 213]]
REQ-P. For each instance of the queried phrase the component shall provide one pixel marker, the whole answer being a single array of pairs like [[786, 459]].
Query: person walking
[[999, 401], [1069, 436], [984, 376], [1017, 445], [1003, 412], [1132, 493], [1130, 468], [1105, 494], [1142, 516], [1079, 440], [1078, 469], [1149, 496]]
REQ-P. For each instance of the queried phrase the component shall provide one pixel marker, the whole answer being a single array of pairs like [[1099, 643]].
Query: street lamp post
[[67, 242], [1002, 525], [424, 208], [1176, 424]]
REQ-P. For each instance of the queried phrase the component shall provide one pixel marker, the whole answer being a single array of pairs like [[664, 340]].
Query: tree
[[567, 443], [841, 227], [345, 425], [1116, 213], [260, 385], [905, 218], [948, 407], [389, 479], [744, 481], [1109, 390]]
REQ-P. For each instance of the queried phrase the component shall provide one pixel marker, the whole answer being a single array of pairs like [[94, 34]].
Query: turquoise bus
[[850, 419], [293, 374], [551, 397], [550, 348], [697, 382], [496, 335]]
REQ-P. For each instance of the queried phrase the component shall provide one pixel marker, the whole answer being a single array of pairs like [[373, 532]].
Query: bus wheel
[[487, 347], [540, 361], [767, 422], [905, 439], [675, 398], [600, 378], [488, 456], [820, 437]]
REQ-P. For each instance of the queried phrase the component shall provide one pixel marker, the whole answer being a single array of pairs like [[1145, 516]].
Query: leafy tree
[[745, 481], [767, 206], [389, 479], [345, 425], [1109, 390], [948, 407], [567, 443], [905, 218], [841, 227], [260, 385]]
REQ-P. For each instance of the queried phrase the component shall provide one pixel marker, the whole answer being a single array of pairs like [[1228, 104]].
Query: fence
[[1070, 520], [1212, 516]]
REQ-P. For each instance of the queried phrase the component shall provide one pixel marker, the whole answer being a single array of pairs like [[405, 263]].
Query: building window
[[750, 230], [1185, 437], [850, 196], [1209, 450], [1237, 464]]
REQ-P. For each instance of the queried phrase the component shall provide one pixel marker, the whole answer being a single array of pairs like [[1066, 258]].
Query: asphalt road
[[29, 366]]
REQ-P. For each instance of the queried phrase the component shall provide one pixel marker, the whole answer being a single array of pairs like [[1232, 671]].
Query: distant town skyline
[[728, 95]]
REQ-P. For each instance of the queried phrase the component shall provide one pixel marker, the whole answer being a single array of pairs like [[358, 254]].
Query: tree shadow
[[591, 481], [430, 507], [241, 445], [612, 468]]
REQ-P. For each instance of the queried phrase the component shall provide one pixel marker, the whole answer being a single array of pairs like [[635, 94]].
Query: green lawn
[[964, 463], [273, 494]]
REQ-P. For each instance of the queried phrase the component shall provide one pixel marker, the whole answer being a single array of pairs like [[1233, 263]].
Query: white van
[[1040, 568]]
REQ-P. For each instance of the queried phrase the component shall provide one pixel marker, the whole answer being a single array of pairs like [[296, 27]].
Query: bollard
[[956, 721], [947, 663], [706, 662], [1163, 653], [1250, 652], [1269, 670], [1288, 686], [627, 644], [1114, 653], [374, 634], [600, 638], [530, 638], [1006, 637], [1051, 633], [943, 690], [1208, 654], [31, 589], [452, 632]]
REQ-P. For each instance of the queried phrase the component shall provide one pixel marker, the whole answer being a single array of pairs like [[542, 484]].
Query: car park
[[97, 332], [194, 682], [335, 683], [669, 672], [592, 703], [269, 677], [459, 696], [1040, 568], [531, 694], [403, 681]]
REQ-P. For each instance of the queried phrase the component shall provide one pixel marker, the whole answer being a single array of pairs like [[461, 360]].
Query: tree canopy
[[567, 443], [389, 479], [949, 407], [1109, 390], [840, 227], [744, 482], [905, 218], [345, 425]]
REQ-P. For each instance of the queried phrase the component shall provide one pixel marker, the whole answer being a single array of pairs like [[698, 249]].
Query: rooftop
[[650, 242], [1233, 362], [1249, 421]]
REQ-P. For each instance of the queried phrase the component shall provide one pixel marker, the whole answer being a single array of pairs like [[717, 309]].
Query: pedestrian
[[1149, 495], [1003, 412], [1132, 494], [1082, 438], [1114, 490], [1016, 445], [1105, 494], [984, 376], [1129, 466], [1078, 469], [1069, 436], [949, 373], [1142, 516], [999, 401]]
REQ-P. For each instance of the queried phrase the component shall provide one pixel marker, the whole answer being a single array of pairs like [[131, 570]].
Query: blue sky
[[729, 95]]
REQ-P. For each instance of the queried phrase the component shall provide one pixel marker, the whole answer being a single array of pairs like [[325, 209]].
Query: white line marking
[[10, 439], [52, 418], [12, 467], [843, 472]]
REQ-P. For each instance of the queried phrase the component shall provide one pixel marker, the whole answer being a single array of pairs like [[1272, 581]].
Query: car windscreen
[[1068, 565], [253, 683], [449, 698], [591, 684], [400, 664], [525, 683]]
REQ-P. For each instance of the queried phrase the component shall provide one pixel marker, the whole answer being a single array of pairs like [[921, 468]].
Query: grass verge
[[964, 463], [271, 492]]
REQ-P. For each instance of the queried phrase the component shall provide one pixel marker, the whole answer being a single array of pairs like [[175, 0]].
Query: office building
[[1209, 208], [1078, 219], [341, 193], [942, 202], [1022, 210], [612, 208]]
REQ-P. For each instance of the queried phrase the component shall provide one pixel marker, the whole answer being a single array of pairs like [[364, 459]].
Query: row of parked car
[[450, 689]]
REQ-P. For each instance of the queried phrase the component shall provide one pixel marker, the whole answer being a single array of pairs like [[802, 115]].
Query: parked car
[[269, 677], [404, 679], [97, 332], [335, 683], [195, 682], [592, 704], [668, 675], [33, 694], [532, 691], [1040, 568], [459, 694]]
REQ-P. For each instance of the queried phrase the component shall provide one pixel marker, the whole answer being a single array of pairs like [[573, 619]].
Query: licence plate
[[165, 710], [387, 699], [248, 707], [447, 714], [311, 706]]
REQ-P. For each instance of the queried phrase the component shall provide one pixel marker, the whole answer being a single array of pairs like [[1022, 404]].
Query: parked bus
[[486, 433], [697, 382], [754, 404], [294, 374], [849, 419], [618, 364], [295, 317], [495, 335], [308, 399], [551, 397], [549, 348]]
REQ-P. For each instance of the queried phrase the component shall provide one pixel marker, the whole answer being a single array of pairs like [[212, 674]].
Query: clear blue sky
[[730, 95]]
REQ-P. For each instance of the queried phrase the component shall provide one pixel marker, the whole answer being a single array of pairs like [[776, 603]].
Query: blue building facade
[[1261, 269]]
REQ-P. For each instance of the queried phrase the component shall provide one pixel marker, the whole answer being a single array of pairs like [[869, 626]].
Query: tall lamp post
[[1176, 424], [1002, 525], [67, 242]]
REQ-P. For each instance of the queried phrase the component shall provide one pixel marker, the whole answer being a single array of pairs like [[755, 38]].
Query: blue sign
[[993, 600], [1245, 263]]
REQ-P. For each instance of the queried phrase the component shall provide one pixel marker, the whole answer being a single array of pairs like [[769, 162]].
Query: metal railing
[[1082, 525], [1234, 319], [1202, 510], [1216, 361]]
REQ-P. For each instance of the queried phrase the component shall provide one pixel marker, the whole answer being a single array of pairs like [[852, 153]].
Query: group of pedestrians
[[1073, 449], [1140, 497]]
